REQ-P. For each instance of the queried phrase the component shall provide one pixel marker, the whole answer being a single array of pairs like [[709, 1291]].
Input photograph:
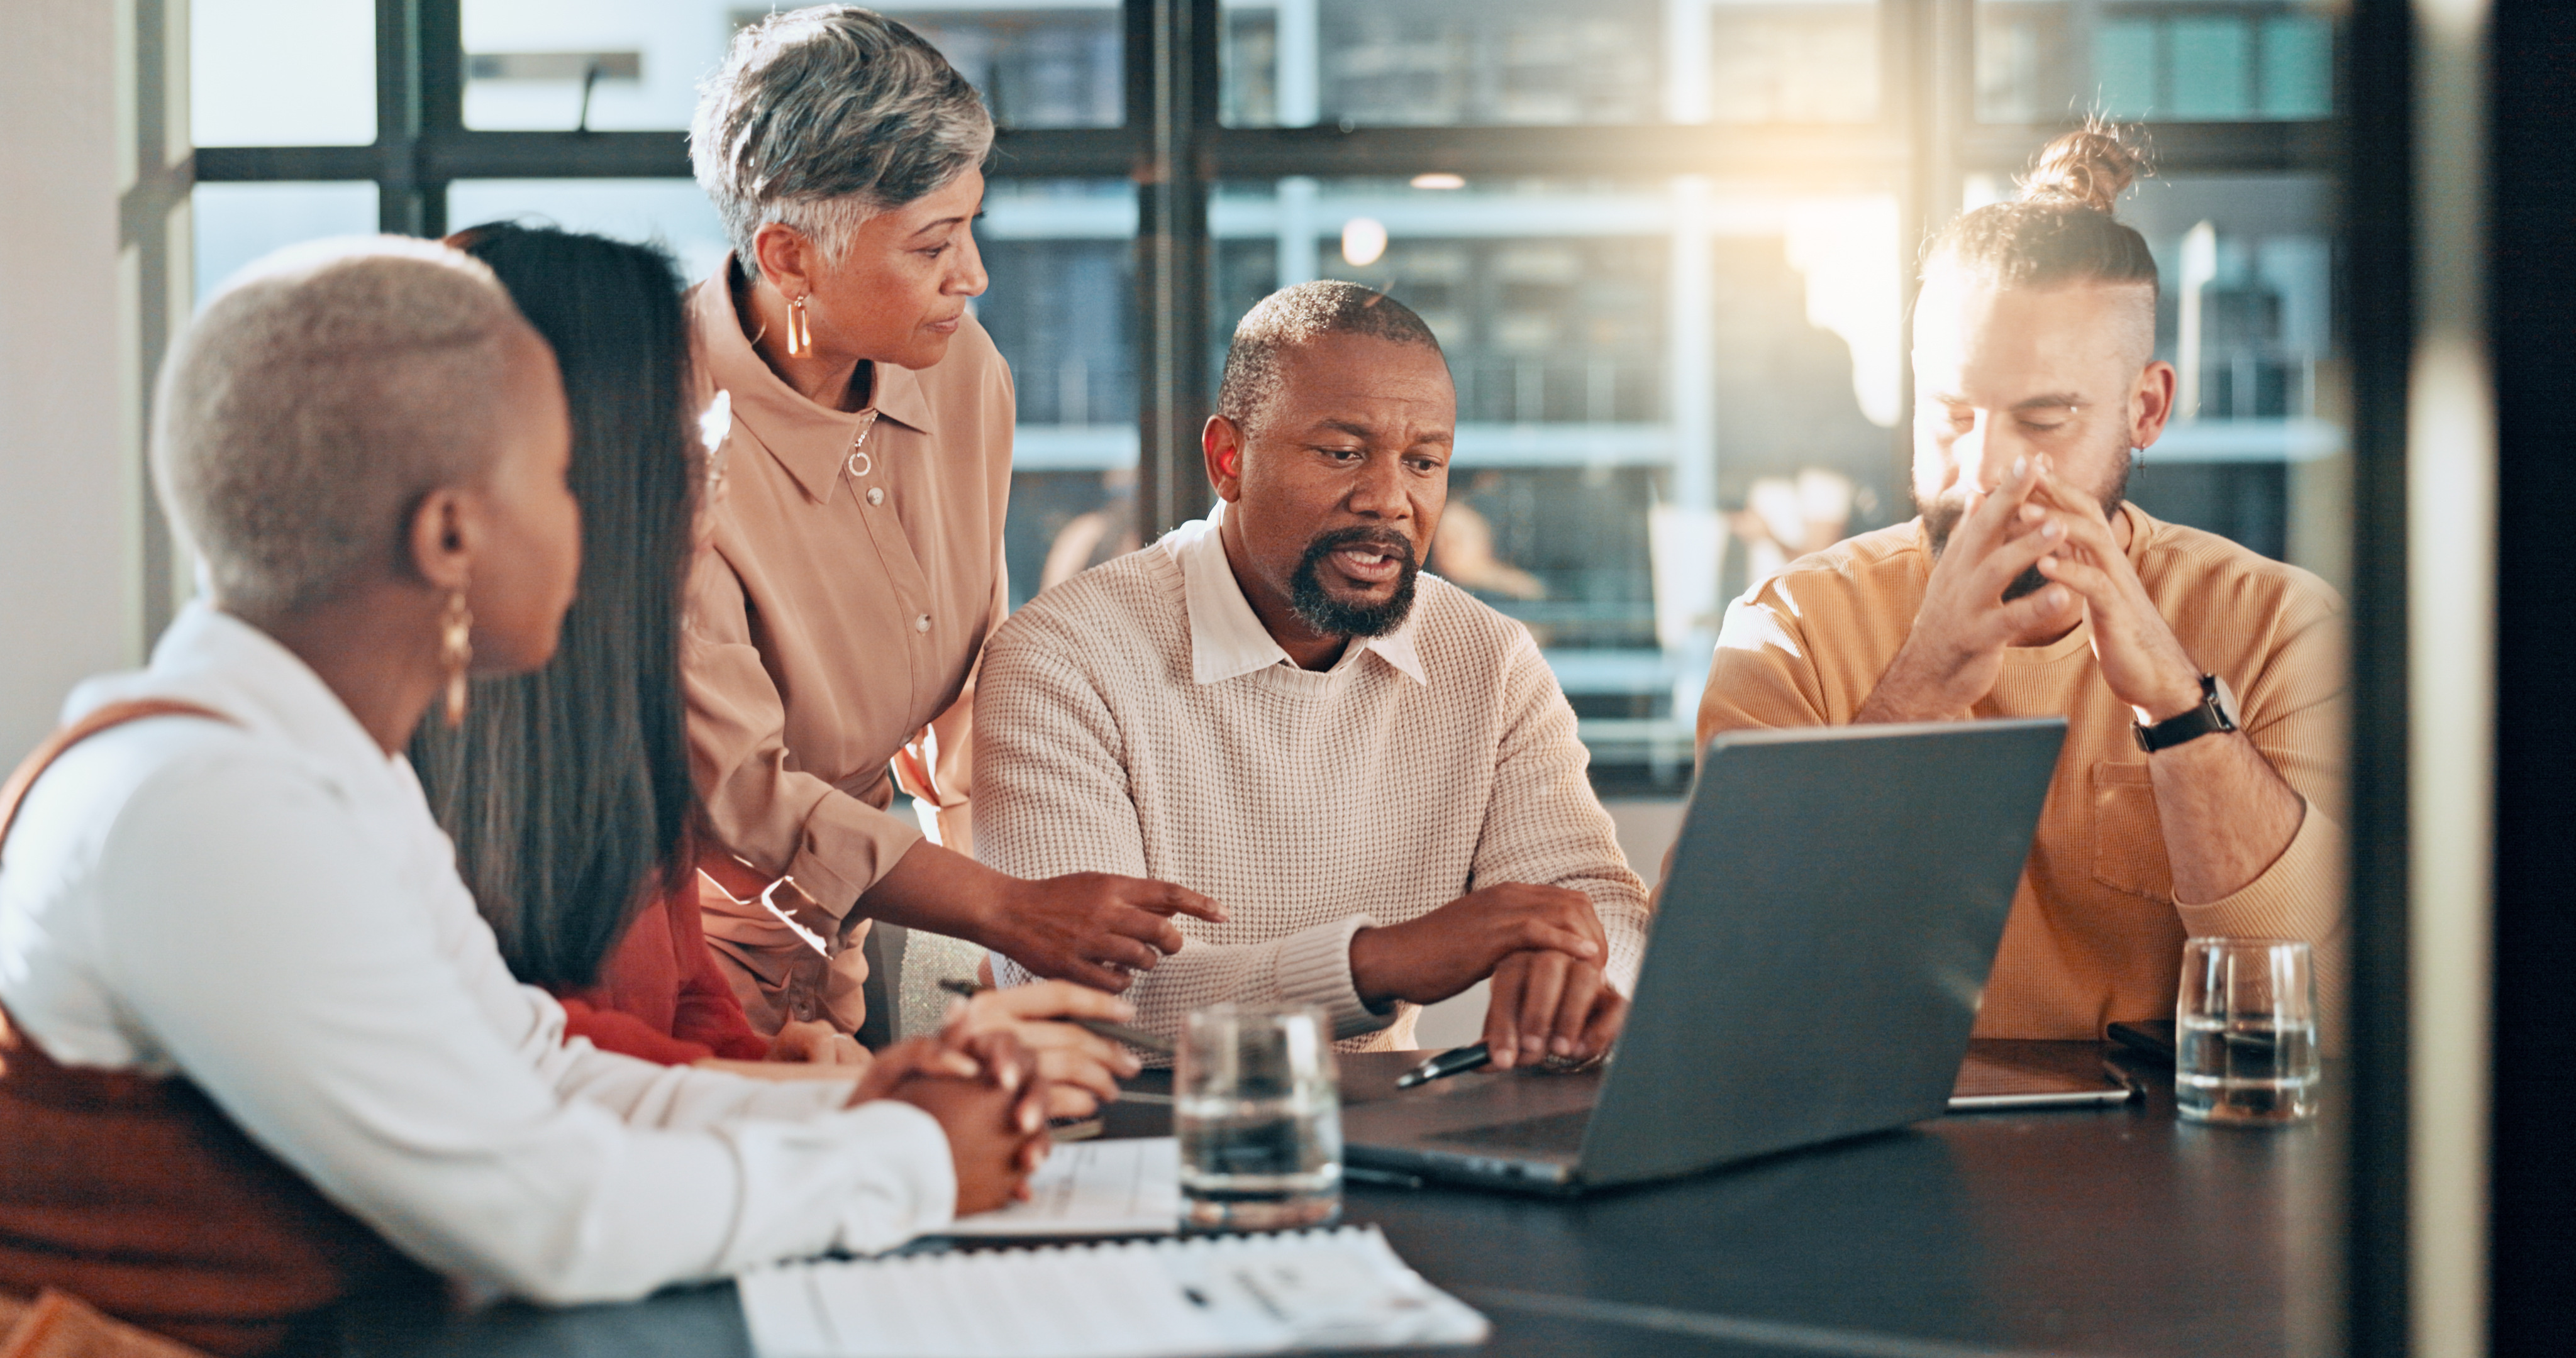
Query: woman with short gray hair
[[857, 566]]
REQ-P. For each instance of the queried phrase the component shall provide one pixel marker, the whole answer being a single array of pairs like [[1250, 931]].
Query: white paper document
[[1175, 1298], [1127, 1187]]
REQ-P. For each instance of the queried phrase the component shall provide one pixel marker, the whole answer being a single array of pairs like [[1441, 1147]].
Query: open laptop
[[1833, 906]]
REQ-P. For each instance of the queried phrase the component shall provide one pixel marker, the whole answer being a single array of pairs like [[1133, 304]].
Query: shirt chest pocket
[[2128, 840]]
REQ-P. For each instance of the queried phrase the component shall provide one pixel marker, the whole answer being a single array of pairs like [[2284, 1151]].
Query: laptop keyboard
[[1555, 1132]]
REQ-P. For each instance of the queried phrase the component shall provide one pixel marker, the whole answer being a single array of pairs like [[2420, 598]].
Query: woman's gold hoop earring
[[800, 335], [456, 653]]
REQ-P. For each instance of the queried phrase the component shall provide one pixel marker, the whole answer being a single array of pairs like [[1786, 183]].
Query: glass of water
[[1259, 1117], [2245, 1025]]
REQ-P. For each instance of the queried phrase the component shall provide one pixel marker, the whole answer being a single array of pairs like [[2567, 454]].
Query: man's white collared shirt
[[1227, 637]]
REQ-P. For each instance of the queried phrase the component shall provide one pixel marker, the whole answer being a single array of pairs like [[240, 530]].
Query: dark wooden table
[[2119, 1231]]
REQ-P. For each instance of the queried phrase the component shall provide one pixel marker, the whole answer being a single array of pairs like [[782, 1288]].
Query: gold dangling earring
[[800, 336], [456, 652]]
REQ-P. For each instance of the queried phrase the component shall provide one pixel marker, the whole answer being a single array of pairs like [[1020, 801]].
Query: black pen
[[1457, 1061], [1374, 1177], [1115, 1032]]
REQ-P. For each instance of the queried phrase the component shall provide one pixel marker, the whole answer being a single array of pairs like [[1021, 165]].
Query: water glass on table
[[2245, 1032], [1259, 1116]]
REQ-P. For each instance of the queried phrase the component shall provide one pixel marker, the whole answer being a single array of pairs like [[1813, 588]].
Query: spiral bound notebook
[[1172, 1298]]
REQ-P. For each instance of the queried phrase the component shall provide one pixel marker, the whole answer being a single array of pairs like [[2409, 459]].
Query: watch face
[[2226, 701]]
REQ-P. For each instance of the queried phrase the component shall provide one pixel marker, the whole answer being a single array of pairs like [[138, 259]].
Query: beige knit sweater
[[1310, 804]]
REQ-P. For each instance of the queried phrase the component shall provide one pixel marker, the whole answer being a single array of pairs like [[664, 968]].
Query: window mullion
[[419, 91], [397, 118], [1172, 71]]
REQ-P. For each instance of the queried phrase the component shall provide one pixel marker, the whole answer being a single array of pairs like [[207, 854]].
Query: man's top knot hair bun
[[2062, 228], [2089, 167]]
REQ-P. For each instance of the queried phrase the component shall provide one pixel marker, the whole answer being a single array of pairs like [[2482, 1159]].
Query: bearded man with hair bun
[[2201, 790]]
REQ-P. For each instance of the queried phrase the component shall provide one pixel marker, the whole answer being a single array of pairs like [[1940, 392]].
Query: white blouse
[[269, 909]]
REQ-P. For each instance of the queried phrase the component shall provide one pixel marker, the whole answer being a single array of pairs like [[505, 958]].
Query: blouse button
[[876, 495], [922, 623]]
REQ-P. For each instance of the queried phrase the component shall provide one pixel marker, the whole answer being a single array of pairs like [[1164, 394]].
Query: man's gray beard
[[1941, 518]]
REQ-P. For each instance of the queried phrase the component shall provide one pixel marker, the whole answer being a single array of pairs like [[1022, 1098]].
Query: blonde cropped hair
[[315, 400]]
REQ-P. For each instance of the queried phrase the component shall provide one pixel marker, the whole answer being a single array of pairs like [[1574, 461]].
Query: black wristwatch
[[2217, 712]]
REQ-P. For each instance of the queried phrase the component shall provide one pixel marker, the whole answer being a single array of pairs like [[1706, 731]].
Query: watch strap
[[2207, 719]]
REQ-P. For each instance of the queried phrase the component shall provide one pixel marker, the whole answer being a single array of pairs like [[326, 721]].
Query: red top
[[659, 996]]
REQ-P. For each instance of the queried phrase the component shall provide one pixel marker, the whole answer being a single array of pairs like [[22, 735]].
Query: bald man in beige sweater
[[1372, 773], [2201, 787]]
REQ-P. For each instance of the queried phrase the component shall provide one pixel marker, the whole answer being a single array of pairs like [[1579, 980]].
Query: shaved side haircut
[[1296, 315], [316, 399], [2063, 229]]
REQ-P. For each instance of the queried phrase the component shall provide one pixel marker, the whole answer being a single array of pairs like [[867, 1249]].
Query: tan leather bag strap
[[113, 714]]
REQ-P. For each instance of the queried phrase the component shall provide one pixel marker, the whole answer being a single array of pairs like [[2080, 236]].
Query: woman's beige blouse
[[834, 629]]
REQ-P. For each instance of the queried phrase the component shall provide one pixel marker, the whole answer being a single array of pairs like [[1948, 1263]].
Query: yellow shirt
[[2095, 935]]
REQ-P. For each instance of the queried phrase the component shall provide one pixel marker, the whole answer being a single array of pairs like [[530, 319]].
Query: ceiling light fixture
[[1363, 241]]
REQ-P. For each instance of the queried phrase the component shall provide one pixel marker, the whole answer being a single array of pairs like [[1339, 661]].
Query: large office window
[[635, 64], [2233, 60], [1667, 245], [281, 72]]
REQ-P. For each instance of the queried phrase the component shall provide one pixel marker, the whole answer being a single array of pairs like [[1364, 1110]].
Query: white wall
[[68, 578], [69, 588]]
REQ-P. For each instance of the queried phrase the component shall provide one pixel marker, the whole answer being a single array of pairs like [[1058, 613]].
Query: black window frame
[[1175, 149]]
